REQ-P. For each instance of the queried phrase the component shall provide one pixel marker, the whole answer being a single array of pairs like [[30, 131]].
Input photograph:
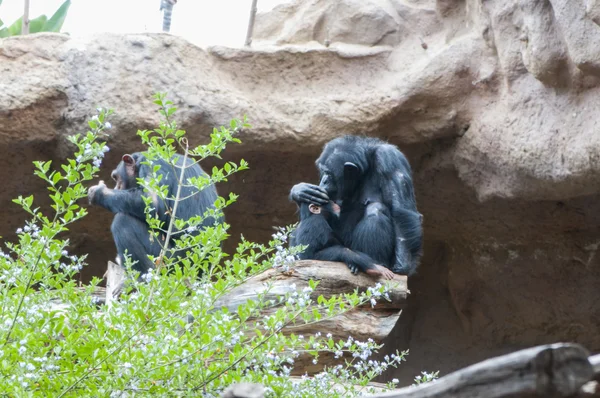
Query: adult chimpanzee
[[372, 181], [315, 230], [129, 227]]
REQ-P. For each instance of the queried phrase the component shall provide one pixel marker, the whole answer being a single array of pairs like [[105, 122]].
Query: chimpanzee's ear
[[129, 165], [314, 209]]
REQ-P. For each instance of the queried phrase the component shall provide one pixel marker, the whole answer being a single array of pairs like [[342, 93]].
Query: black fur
[[129, 227], [315, 231], [373, 182]]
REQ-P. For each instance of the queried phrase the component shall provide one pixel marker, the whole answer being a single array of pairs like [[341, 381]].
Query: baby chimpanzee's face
[[327, 210]]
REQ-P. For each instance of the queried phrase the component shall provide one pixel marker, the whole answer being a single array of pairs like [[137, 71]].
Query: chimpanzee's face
[[339, 172], [125, 174], [332, 177], [328, 210]]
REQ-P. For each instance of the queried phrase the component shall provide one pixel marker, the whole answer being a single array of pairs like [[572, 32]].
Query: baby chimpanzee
[[315, 231]]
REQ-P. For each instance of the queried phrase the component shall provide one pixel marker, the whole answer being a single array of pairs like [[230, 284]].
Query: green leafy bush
[[39, 24], [55, 340]]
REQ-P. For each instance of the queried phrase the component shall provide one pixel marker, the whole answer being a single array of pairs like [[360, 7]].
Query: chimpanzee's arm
[[354, 260], [395, 178], [315, 232], [309, 193], [123, 201], [345, 255]]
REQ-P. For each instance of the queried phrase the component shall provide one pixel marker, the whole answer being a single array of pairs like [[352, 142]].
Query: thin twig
[[172, 219]]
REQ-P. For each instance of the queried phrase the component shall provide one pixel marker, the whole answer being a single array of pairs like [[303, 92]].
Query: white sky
[[203, 22]]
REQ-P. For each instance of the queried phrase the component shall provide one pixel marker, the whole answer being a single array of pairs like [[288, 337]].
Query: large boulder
[[493, 102]]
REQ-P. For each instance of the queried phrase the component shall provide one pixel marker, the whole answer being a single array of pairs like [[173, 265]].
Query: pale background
[[203, 22]]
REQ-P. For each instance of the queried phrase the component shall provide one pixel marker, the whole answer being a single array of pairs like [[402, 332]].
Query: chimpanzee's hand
[[96, 193], [353, 268], [309, 193]]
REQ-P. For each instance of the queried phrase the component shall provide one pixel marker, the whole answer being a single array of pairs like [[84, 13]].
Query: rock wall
[[492, 101]]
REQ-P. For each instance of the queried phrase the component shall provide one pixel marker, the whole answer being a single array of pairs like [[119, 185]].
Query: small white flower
[[395, 381], [107, 125]]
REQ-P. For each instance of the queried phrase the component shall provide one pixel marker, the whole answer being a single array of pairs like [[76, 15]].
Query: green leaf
[[46, 166], [15, 28], [68, 216], [55, 23], [37, 24]]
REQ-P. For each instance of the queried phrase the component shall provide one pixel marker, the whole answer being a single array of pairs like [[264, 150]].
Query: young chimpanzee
[[315, 231], [129, 228]]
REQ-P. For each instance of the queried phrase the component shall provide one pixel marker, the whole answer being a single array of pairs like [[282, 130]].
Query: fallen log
[[334, 278], [557, 370], [115, 280]]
